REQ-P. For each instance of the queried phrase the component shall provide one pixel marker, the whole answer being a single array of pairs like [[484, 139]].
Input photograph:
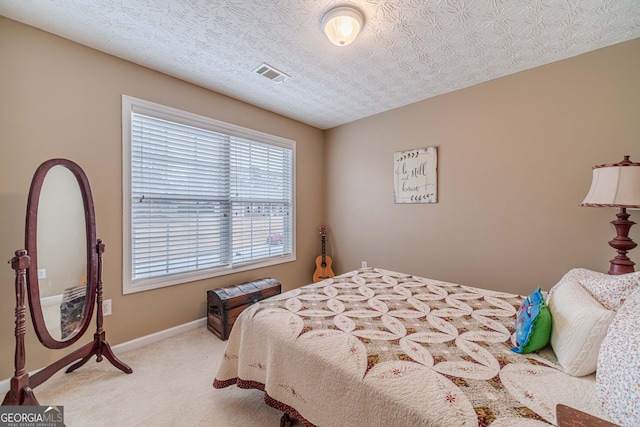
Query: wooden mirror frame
[[25, 265], [31, 242]]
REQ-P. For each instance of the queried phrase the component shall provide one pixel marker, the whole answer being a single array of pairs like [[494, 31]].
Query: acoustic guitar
[[323, 262]]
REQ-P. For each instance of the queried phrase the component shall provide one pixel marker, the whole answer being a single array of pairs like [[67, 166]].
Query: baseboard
[[158, 336], [133, 344]]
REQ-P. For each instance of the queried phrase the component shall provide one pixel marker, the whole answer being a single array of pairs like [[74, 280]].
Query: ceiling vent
[[271, 73]]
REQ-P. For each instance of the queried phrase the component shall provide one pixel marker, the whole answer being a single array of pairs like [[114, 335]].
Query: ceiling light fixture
[[342, 24]]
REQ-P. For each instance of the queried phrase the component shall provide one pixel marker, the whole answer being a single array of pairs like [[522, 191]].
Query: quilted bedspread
[[379, 348]]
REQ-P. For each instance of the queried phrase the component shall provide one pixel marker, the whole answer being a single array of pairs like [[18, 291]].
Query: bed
[[374, 347]]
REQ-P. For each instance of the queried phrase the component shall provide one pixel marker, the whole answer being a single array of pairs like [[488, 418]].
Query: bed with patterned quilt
[[374, 347]]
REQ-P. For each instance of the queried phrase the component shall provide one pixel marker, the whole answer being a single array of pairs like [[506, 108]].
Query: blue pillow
[[533, 324]]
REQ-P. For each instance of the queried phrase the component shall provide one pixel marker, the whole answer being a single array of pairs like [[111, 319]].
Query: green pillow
[[533, 324]]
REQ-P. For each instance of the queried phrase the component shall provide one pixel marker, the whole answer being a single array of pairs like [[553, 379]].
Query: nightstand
[[570, 417]]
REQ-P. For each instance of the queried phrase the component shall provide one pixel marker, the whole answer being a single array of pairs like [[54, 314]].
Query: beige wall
[[60, 99], [515, 158]]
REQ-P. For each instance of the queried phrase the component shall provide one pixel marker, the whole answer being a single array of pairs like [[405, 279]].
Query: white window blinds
[[260, 198], [203, 202]]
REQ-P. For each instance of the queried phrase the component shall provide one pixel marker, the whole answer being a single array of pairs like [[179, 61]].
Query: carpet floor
[[171, 385]]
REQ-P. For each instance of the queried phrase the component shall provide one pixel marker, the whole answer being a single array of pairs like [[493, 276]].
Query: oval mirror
[[61, 241]]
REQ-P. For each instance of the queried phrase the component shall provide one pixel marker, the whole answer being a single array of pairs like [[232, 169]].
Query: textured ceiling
[[409, 50]]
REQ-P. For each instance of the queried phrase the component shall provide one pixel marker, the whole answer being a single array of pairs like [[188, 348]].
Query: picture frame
[[416, 175]]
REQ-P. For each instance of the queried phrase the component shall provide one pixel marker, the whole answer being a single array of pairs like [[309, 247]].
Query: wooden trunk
[[225, 304]]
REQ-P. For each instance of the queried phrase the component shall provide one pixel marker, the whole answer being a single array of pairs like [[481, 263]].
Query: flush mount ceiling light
[[342, 25]]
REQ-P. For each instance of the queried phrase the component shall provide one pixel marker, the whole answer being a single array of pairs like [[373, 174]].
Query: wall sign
[[415, 175]]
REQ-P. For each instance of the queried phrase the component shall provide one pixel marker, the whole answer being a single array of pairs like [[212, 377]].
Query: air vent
[[271, 73]]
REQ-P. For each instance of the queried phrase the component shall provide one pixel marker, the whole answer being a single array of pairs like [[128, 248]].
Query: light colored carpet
[[171, 385]]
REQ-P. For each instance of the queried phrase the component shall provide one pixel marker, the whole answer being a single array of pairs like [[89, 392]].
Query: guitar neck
[[324, 253]]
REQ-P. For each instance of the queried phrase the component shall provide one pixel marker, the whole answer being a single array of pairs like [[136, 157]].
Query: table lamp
[[617, 186]]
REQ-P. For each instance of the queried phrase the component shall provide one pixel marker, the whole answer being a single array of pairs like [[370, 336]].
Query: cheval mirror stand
[[61, 228]]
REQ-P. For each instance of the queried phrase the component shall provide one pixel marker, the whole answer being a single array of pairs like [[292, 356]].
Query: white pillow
[[579, 325], [618, 375]]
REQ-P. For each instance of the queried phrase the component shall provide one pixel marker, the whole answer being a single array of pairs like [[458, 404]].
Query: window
[[202, 198]]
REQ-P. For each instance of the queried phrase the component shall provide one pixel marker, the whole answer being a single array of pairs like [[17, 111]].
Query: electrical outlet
[[106, 307], [364, 264], [42, 273]]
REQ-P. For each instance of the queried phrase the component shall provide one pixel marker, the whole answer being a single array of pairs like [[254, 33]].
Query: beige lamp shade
[[616, 185]]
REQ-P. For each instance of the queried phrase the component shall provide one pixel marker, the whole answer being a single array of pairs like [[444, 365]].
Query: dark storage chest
[[225, 304]]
